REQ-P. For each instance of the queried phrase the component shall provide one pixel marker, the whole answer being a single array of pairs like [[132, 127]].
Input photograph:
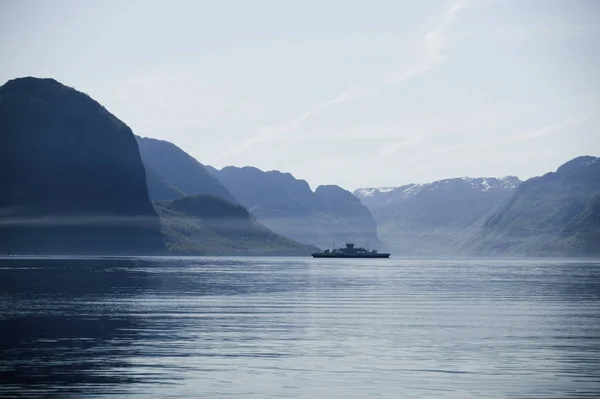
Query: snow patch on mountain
[[483, 184], [593, 161], [367, 192]]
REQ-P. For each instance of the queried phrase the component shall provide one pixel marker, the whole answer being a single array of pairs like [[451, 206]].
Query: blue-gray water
[[300, 328]]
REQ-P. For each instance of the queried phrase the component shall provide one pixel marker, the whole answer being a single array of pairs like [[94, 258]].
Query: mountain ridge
[[76, 180], [289, 207], [179, 169], [534, 219], [97, 180], [430, 218]]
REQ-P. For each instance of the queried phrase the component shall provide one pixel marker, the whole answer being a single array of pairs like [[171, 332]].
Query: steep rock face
[[180, 170], [71, 175], [546, 214], [434, 218], [289, 207]]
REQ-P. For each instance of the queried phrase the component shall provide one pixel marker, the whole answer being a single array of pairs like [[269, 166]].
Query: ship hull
[[338, 255]]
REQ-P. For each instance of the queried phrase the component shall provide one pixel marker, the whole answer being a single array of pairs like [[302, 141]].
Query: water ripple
[[302, 328]]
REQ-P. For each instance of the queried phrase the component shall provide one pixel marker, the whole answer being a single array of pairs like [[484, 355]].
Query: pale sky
[[355, 93]]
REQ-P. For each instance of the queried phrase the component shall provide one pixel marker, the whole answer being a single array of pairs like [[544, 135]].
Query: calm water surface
[[299, 328]]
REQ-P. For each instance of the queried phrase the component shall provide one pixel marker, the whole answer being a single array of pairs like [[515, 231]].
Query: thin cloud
[[555, 127], [391, 149], [543, 131], [431, 54]]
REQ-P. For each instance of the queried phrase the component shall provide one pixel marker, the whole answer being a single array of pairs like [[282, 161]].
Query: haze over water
[[302, 328]]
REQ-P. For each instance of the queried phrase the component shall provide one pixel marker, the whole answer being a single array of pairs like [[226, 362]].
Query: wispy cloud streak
[[431, 54], [538, 133]]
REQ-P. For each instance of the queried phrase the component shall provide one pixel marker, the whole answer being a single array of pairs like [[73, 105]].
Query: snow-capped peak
[[592, 161], [476, 183], [367, 192]]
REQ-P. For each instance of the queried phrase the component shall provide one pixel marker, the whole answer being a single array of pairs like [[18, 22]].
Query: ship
[[350, 252]]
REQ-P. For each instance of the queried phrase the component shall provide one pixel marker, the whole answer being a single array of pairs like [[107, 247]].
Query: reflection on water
[[294, 327]]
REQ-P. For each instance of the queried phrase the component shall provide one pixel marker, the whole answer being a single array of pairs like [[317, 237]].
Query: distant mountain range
[[377, 196], [433, 218], [289, 207], [75, 179], [279, 201], [556, 214]]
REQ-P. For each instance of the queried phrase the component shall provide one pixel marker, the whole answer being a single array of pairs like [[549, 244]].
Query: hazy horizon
[[358, 94]]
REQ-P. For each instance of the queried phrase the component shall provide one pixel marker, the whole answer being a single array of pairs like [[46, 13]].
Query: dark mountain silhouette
[[199, 214], [555, 214], [73, 181], [180, 170], [208, 225], [289, 207], [71, 175], [434, 218]]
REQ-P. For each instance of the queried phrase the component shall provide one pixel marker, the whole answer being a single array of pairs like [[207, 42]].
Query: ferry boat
[[350, 252]]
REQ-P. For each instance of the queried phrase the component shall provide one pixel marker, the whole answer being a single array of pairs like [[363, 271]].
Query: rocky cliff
[[71, 175]]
